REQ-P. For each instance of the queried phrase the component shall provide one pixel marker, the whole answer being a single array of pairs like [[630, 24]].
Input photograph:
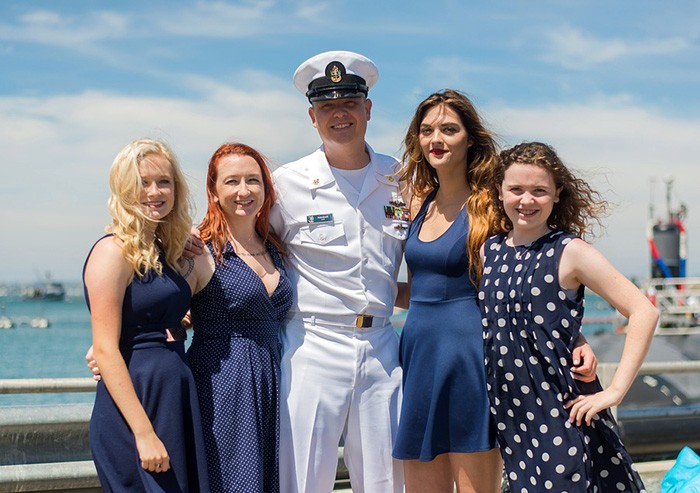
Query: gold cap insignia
[[335, 74]]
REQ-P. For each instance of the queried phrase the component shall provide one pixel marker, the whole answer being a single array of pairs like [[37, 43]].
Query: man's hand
[[195, 246], [92, 365]]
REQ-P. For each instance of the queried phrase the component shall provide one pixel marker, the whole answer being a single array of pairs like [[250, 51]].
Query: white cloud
[[313, 11], [202, 20], [575, 49], [52, 28], [56, 151], [219, 19]]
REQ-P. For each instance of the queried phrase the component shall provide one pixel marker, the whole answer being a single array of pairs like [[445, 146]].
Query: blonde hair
[[128, 219], [420, 177]]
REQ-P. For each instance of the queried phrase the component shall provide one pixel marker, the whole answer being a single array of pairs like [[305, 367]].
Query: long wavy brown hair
[[420, 177], [579, 206], [213, 227]]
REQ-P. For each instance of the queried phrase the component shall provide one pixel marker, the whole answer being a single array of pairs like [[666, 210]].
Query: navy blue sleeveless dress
[[445, 405], [530, 327], [235, 358], [164, 385]]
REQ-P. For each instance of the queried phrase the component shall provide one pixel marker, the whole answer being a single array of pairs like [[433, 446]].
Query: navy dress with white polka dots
[[530, 327], [235, 359]]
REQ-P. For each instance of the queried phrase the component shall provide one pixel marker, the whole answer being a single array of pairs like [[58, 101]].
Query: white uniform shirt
[[343, 259]]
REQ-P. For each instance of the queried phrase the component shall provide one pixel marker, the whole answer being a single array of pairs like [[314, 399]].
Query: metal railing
[[46, 448], [606, 371], [34, 439], [678, 301], [46, 385]]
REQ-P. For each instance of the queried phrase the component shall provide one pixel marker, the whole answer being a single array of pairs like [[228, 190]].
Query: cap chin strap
[[352, 86]]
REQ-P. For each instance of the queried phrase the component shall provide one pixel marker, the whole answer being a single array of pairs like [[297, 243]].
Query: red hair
[[213, 227]]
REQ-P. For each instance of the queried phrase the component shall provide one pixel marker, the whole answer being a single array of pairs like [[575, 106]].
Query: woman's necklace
[[521, 250], [247, 254], [238, 247]]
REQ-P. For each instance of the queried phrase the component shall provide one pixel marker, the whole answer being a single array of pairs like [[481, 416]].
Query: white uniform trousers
[[339, 381]]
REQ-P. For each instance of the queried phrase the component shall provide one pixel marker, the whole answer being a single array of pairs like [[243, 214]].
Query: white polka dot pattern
[[235, 359], [530, 325]]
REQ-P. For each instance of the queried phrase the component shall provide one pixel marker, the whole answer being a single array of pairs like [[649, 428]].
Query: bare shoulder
[[199, 270], [107, 249], [107, 263], [204, 262], [577, 246], [577, 257], [579, 253]]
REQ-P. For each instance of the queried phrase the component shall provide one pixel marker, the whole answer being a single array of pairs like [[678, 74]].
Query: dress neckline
[[270, 249], [424, 212]]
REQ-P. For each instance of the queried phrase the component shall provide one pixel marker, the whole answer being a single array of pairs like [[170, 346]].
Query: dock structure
[[46, 448]]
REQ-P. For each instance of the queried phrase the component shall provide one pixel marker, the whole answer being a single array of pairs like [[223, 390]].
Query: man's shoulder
[[386, 167], [386, 163], [293, 169]]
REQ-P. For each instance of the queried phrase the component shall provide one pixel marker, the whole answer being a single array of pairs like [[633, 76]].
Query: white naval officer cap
[[335, 75]]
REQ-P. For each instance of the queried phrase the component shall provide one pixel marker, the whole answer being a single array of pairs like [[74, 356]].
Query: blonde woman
[[145, 430]]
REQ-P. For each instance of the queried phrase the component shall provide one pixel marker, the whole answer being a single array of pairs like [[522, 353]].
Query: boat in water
[[47, 291]]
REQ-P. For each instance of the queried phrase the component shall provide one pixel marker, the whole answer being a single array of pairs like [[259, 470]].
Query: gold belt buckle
[[363, 321]]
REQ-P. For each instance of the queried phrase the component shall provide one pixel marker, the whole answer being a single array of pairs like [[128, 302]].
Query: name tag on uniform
[[320, 218]]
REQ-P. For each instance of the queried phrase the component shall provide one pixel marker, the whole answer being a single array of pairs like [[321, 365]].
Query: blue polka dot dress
[[235, 359], [530, 327]]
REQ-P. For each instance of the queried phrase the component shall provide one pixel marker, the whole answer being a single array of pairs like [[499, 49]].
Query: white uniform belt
[[360, 321]]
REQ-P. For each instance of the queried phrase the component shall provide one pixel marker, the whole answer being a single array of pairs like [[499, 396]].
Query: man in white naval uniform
[[340, 215]]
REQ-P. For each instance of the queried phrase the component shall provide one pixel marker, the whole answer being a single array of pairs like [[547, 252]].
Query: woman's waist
[[440, 302], [137, 338], [239, 329]]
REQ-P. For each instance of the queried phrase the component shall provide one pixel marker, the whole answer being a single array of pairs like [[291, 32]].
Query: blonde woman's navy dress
[[445, 405], [530, 326], [235, 358], [164, 385]]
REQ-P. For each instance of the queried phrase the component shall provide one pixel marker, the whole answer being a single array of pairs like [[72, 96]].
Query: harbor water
[[56, 351], [59, 350]]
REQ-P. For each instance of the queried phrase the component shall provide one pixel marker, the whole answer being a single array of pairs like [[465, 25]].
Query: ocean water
[[53, 352], [59, 350]]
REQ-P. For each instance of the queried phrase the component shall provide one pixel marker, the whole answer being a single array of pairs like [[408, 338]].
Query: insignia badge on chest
[[398, 212]]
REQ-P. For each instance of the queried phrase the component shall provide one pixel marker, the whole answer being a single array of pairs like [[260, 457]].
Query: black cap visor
[[323, 88]]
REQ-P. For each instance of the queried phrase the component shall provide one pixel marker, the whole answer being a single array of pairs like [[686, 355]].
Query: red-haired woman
[[241, 296]]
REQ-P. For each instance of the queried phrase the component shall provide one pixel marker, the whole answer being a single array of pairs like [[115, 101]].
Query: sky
[[613, 86]]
